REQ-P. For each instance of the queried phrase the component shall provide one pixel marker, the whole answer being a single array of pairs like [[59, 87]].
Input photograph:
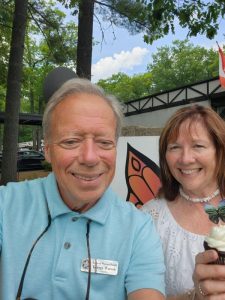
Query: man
[[52, 228]]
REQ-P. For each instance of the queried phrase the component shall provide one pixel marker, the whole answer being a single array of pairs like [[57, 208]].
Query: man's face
[[82, 149]]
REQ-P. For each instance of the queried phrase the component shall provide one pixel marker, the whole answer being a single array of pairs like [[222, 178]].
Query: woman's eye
[[199, 146], [172, 147]]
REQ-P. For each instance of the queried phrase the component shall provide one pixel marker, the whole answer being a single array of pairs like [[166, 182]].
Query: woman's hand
[[209, 279]]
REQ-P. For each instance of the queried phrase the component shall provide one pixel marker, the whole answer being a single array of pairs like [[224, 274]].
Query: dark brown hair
[[215, 126]]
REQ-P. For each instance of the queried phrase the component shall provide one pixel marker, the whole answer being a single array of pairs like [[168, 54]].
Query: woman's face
[[192, 159]]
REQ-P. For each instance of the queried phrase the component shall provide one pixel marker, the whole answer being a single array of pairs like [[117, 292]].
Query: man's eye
[[105, 144], [69, 144]]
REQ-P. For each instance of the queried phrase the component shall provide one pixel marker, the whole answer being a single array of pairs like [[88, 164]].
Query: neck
[[198, 200], [83, 208]]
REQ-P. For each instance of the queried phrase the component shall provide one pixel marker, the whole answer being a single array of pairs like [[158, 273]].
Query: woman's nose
[[187, 156]]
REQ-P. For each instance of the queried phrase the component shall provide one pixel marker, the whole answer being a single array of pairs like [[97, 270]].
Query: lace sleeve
[[152, 207]]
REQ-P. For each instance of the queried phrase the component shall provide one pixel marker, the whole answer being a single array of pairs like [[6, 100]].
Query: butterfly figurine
[[215, 214]]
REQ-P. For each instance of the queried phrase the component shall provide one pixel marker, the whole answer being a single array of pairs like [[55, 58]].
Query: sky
[[131, 55], [122, 52]]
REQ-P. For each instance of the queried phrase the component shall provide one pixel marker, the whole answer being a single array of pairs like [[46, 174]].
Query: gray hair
[[77, 86]]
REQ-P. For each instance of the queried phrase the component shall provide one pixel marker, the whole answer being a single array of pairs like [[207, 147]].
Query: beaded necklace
[[198, 200], [215, 214]]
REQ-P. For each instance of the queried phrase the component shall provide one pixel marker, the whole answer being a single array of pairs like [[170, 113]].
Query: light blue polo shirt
[[118, 233]]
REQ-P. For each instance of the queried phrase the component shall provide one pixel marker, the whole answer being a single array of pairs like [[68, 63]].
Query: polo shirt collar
[[98, 213]]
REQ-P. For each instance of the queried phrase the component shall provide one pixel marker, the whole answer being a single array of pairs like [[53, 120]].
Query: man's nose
[[89, 153]]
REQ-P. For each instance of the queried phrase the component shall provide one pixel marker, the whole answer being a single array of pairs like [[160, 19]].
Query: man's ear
[[47, 152]]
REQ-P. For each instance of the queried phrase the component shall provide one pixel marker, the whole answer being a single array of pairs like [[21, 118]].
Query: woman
[[192, 164]]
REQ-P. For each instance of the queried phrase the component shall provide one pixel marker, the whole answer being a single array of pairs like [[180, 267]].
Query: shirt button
[[74, 219], [67, 245]]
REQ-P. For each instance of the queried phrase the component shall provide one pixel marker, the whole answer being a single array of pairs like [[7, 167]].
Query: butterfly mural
[[142, 177], [216, 214]]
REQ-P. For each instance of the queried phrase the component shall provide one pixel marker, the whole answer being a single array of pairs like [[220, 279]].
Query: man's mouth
[[87, 177]]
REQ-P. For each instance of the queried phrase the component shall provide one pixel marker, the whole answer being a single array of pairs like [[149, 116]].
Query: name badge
[[100, 266]]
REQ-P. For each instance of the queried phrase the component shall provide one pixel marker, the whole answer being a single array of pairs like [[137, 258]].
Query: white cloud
[[119, 62]]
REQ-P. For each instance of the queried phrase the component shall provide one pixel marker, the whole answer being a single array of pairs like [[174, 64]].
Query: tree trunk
[[11, 128], [84, 45]]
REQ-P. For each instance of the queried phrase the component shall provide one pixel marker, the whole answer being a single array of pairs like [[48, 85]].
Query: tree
[[5, 36], [84, 45], [154, 18], [40, 57], [172, 66], [13, 92], [56, 47], [182, 64], [127, 88]]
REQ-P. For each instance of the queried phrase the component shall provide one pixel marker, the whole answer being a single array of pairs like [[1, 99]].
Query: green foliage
[[6, 10], [70, 3], [156, 18], [199, 17], [50, 42], [124, 13], [126, 88], [25, 133], [46, 165], [172, 67], [181, 64], [54, 47]]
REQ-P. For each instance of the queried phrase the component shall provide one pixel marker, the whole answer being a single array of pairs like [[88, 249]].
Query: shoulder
[[15, 193], [21, 186], [127, 215], [127, 207], [154, 207]]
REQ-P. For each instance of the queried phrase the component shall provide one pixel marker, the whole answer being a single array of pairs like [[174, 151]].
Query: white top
[[179, 245]]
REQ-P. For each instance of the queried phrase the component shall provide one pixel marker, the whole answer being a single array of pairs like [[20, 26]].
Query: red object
[[221, 67]]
